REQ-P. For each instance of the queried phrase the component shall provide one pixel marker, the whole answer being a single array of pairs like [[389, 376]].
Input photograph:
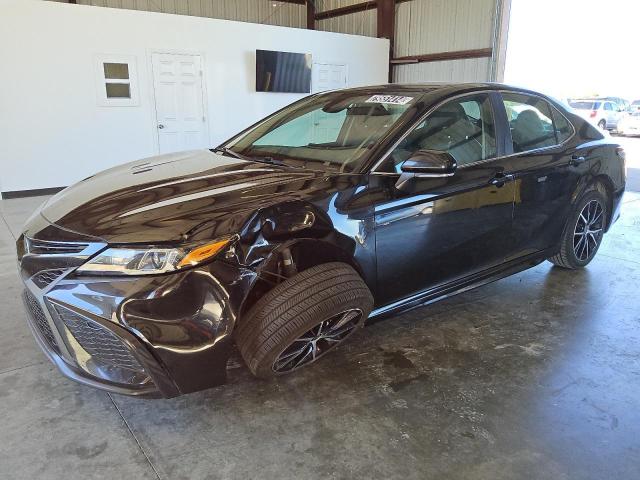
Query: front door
[[432, 231], [180, 113]]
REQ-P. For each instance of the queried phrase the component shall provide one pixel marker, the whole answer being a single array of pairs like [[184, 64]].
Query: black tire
[[574, 252], [602, 125], [289, 314]]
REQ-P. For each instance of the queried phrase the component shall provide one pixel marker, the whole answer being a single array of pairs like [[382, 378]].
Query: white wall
[[52, 131]]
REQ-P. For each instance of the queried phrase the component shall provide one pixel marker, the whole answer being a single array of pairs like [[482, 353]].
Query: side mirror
[[430, 163]]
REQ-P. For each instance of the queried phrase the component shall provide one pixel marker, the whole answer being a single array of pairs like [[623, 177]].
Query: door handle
[[160, 126], [577, 160], [500, 179]]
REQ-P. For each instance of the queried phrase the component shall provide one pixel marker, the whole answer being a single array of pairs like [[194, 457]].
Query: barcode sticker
[[390, 99]]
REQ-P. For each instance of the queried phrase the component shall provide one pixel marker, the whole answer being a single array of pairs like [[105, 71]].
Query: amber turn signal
[[205, 252]]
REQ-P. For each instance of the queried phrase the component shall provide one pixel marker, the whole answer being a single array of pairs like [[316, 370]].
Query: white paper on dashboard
[[390, 99]]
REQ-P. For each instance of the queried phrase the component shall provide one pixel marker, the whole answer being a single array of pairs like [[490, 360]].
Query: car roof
[[444, 88], [434, 86]]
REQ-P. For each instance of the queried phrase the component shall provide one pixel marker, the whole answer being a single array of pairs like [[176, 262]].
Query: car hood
[[175, 197]]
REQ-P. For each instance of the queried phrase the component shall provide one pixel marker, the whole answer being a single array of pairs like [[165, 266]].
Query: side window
[[608, 107], [563, 128], [463, 127], [529, 121]]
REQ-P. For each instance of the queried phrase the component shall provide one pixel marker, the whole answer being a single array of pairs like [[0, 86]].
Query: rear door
[[545, 174]]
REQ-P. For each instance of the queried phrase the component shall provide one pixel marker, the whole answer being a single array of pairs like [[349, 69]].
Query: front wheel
[[303, 318], [584, 231]]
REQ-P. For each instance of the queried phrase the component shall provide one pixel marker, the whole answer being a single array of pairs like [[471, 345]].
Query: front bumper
[[158, 336], [38, 322]]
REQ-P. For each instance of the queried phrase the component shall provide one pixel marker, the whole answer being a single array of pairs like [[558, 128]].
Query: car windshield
[[334, 130], [585, 105]]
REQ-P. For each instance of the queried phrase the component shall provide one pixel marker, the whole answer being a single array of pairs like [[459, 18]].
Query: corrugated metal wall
[[422, 27], [434, 26], [470, 70], [361, 23], [269, 12]]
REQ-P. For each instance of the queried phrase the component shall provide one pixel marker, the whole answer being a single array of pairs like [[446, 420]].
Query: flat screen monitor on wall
[[283, 72]]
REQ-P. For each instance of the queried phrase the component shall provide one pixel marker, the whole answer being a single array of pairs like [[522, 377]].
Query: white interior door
[[180, 112], [329, 76]]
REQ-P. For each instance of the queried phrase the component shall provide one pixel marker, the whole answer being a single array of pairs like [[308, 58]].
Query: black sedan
[[282, 241]]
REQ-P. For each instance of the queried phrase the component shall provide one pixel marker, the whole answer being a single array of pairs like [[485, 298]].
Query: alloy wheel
[[317, 341], [588, 231]]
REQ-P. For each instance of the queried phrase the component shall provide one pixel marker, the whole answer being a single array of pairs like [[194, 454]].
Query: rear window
[[585, 105]]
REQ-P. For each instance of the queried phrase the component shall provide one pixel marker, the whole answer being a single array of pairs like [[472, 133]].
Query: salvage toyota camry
[[281, 242]]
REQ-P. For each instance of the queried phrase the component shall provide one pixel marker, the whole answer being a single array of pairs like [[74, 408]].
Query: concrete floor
[[535, 376]]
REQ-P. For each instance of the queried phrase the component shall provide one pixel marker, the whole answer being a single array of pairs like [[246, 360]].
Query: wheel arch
[[306, 253], [600, 182], [603, 183]]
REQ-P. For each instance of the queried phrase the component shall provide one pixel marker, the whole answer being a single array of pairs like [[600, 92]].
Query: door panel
[[179, 102], [544, 177], [545, 184], [442, 230]]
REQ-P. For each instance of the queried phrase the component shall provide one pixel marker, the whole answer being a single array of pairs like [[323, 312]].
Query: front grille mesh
[[42, 247], [104, 346], [40, 321], [44, 278]]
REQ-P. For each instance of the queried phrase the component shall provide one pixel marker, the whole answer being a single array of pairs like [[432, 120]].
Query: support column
[[386, 26], [311, 14]]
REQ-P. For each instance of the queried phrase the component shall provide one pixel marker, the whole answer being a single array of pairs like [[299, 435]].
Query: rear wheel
[[602, 125], [584, 231], [303, 318]]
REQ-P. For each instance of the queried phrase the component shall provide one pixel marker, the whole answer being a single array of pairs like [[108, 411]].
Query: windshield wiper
[[230, 152], [269, 160]]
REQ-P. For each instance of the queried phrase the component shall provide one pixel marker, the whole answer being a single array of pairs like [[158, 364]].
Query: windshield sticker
[[390, 99]]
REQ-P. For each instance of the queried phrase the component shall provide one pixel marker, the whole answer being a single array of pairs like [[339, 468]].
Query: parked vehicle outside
[[630, 124], [605, 114], [635, 106], [623, 104], [344, 206]]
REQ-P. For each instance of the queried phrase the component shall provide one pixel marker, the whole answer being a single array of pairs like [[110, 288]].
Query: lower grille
[[103, 345], [39, 320]]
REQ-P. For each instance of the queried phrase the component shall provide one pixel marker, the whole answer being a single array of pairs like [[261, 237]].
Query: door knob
[[160, 126], [500, 179], [577, 159]]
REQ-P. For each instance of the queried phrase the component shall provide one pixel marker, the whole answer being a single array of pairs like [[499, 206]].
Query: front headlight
[[153, 260]]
